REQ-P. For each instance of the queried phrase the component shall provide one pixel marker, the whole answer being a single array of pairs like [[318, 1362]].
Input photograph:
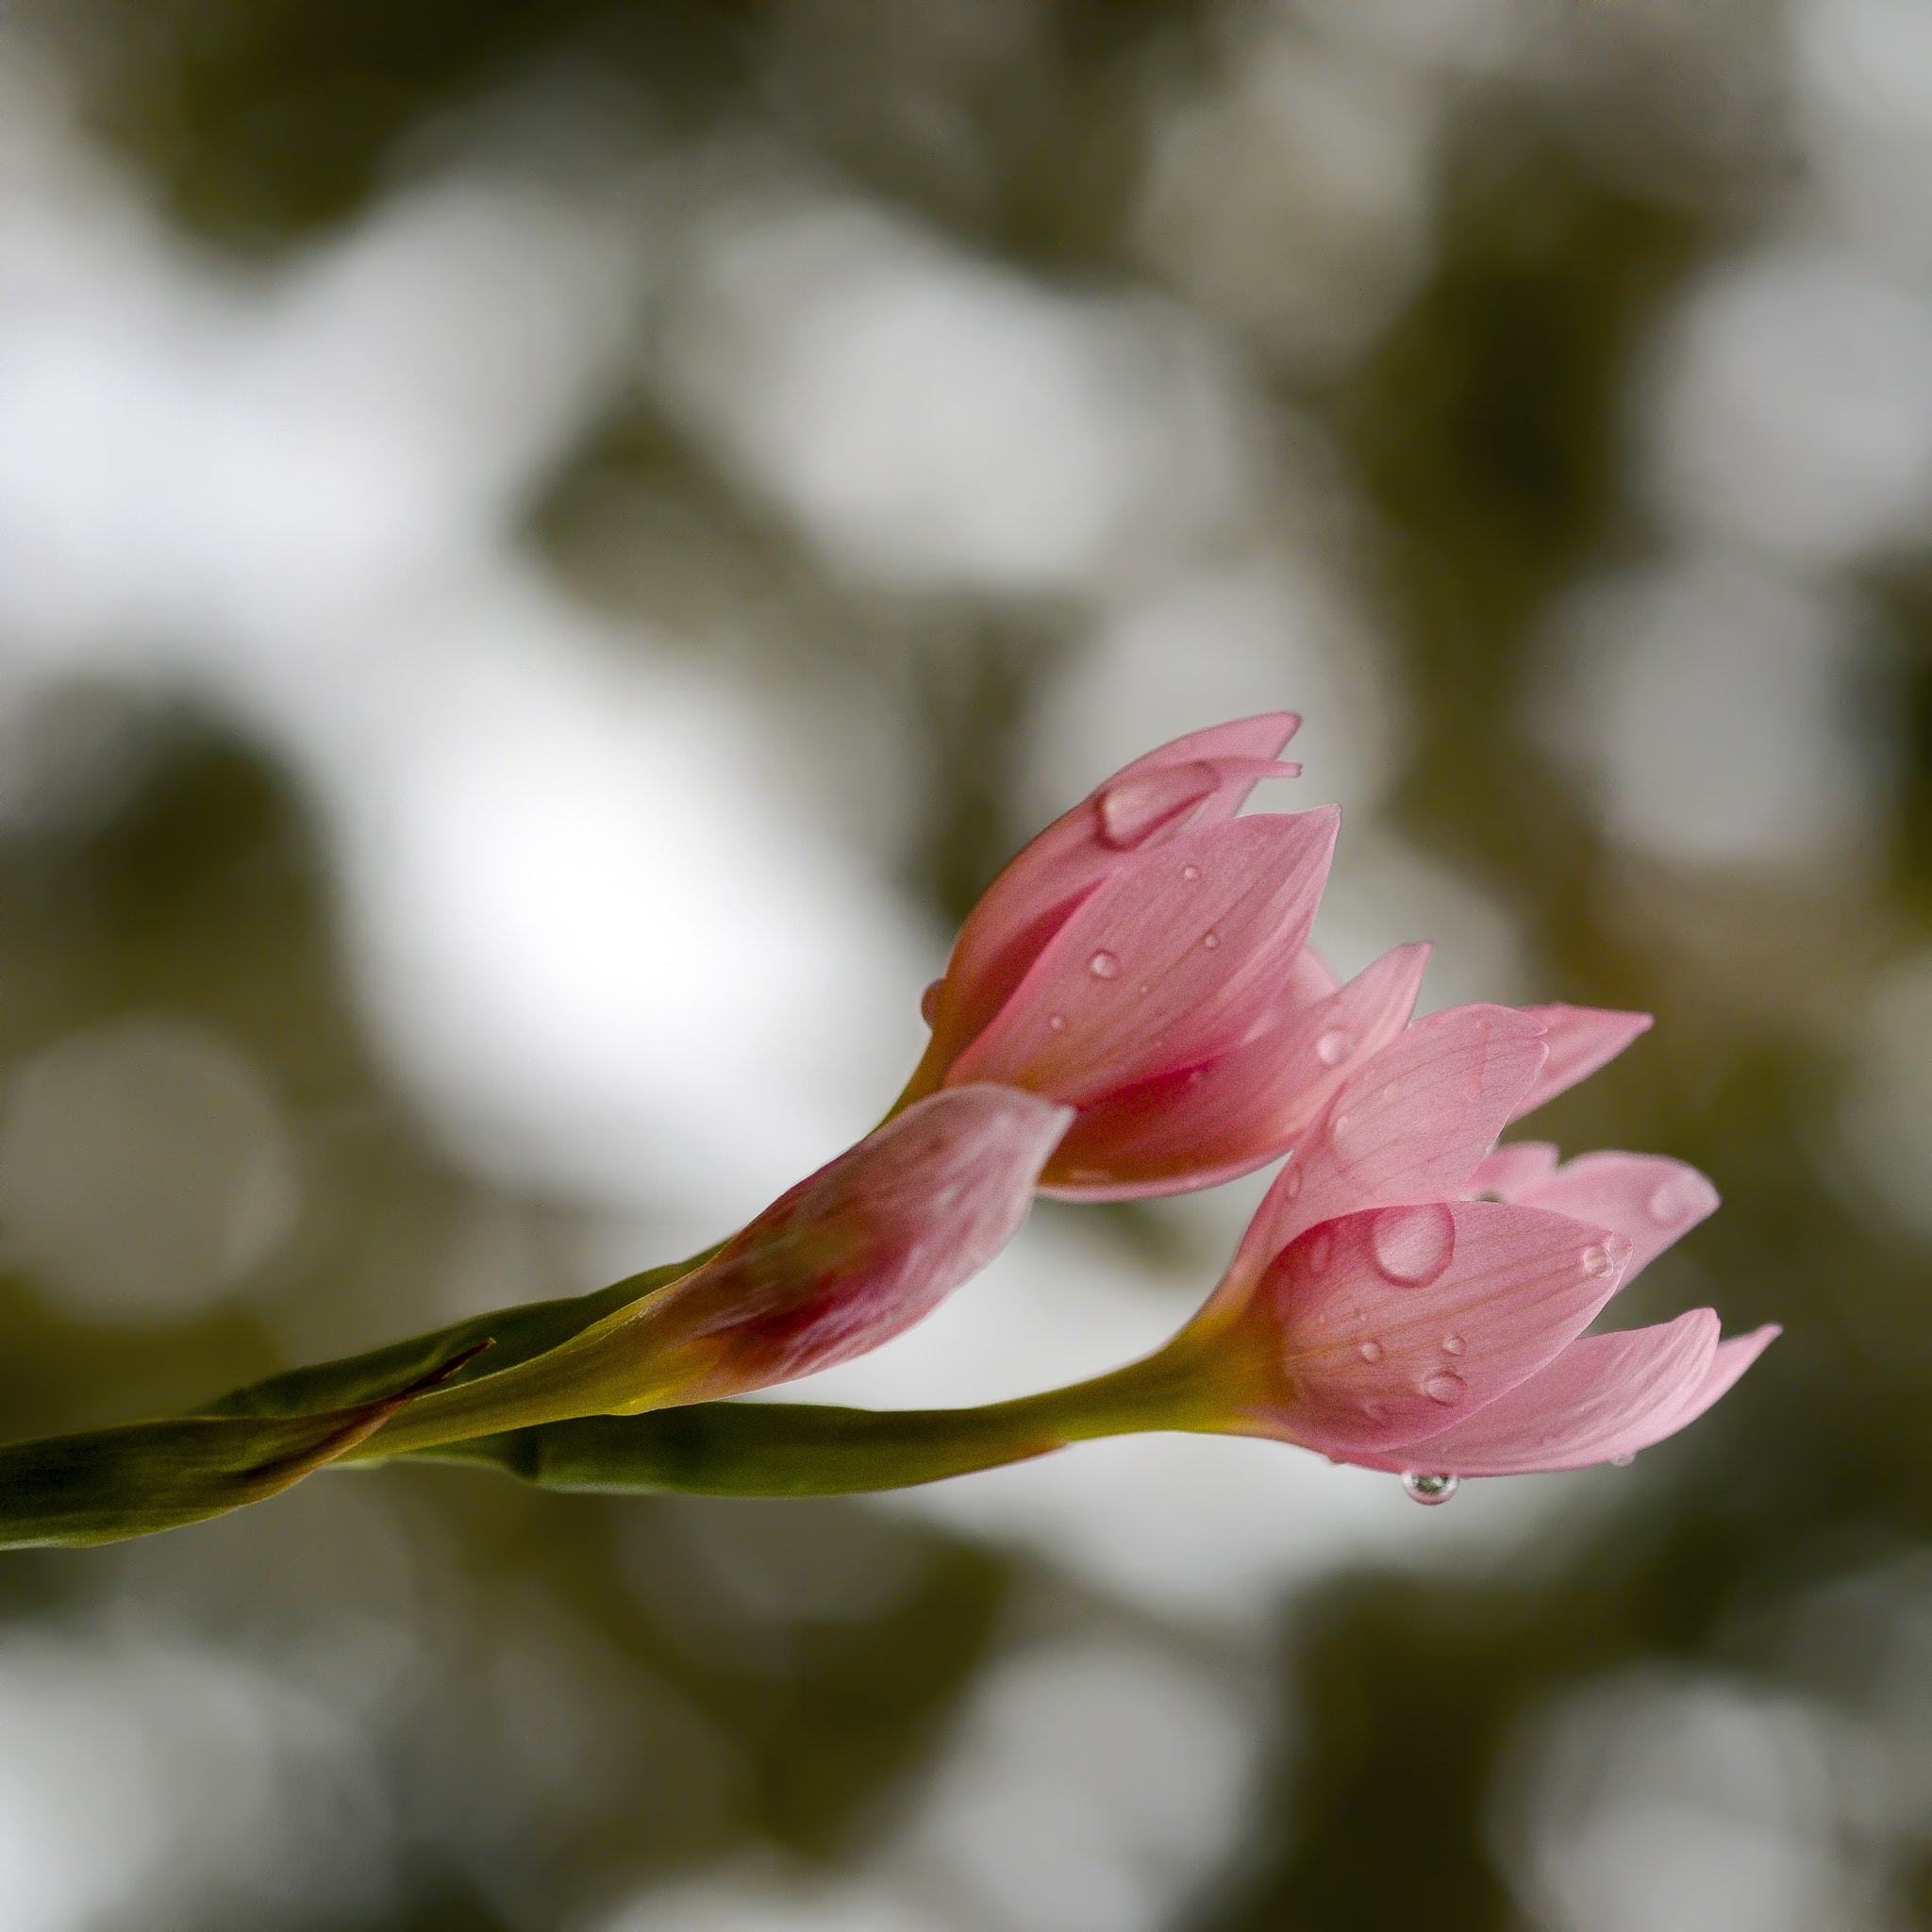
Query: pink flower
[[852, 1256], [1144, 960], [1378, 1313]]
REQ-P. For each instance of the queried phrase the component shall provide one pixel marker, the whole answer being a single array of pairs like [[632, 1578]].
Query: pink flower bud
[[860, 1250], [1144, 960]]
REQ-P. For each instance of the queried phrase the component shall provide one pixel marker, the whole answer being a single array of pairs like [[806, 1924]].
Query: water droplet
[[1320, 1248], [1333, 1048], [929, 1002], [1390, 1092], [1599, 1261], [1134, 809], [1058, 1022], [1371, 1352], [1671, 1202], [1375, 1412], [1146, 989], [1292, 1180], [1414, 1245], [1445, 1386], [1191, 872], [1105, 965], [1427, 1490], [1210, 939], [1622, 1461], [1452, 1344]]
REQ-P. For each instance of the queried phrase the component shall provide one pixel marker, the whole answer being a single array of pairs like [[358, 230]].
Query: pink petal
[[1410, 1124], [1202, 778], [1509, 1170], [1311, 978], [1395, 1322], [1206, 1124], [1604, 1396], [1581, 1040], [1178, 958], [1732, 1358], [1646, 1196], [858, 1251]]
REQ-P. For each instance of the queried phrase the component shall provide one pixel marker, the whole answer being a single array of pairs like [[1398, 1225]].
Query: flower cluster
[[1133, 1010]]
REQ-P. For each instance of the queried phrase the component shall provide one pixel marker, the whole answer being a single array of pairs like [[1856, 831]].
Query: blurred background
[[548, 548]]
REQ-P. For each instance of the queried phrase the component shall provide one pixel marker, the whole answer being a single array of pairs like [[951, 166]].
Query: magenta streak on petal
[[1410, 1124], [1649, 1197], [1363, 1310], [1581, 1040], [1204, 1125], [1195, 933], [1604, 1396]]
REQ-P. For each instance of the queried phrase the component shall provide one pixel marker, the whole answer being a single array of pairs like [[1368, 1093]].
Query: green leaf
[[106, 1484], [760, 1448], [515, 1335]]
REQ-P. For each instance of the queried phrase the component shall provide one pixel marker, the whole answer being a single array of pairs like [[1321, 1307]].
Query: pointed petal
[[1202, 778], [1206, 1124], [1395, 1322], [1410, 1124], [1178, 958], [1509, 1170], [1730, 1361], [1311, 978], [1581, 1040], [1604, 1396], [855, 1252], [1646, 1196]]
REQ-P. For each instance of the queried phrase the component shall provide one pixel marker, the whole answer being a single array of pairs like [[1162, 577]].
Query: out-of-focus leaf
[[515, 1334], [759, 1448], [106, 1484]]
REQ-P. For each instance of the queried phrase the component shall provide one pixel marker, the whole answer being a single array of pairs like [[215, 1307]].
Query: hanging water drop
[[1599, 1261], [1421, 1487], [1105, 965], [1445, 1386], [1623, 1461], [929, 1002], [1333, 1048]]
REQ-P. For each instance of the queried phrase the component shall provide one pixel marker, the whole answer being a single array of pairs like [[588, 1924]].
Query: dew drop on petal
[[1291, 1179], [1058, 1022], [1598, 1261], [1371, 1352], [1445, 1386], [1320, 1248], [1421, 1487], [1452, 1344], [1670, 1202], [1191, 872], [1390, 1092], [1132, 809], [1333, 1048], [1375, 1412], [1210, 939], [1414, 1245], [929, 1002], [1105, 965]]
